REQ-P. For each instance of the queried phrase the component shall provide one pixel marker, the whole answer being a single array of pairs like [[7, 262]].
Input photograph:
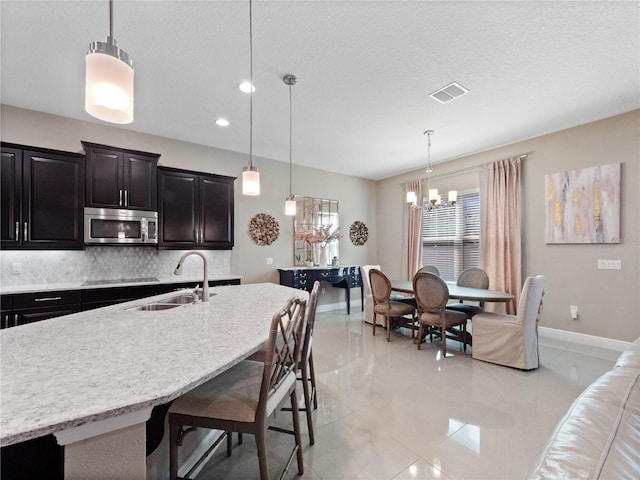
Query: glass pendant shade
[[433, 195], [250, 181], [412, 198], [109, 83], [453, 197], [290, 206]]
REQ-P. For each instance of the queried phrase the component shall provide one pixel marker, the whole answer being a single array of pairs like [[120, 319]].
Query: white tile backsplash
[[104, 263]]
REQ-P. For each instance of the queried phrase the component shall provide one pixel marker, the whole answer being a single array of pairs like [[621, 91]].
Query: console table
[[346, 277]]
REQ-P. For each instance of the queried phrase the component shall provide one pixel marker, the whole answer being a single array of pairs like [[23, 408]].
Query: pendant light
[[290, 203], [250, 174], [109, 80]]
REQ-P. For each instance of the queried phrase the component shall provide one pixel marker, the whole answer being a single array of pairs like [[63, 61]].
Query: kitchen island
[[92, 378]]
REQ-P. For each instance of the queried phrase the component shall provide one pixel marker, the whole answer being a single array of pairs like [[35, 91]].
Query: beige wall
[[608, 300], [356, 196]]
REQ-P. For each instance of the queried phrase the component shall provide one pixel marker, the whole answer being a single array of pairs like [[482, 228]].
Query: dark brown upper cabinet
[[120, 178], [195, 210], [42, 192]]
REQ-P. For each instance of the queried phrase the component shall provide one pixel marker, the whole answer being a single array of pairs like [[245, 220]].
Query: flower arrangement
[[318, 236], [322, 235]]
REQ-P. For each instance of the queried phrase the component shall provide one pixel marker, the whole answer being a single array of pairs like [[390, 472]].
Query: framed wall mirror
[[315, 231]]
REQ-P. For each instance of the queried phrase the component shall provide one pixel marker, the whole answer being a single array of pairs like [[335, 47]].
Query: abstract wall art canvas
[[583, 206]]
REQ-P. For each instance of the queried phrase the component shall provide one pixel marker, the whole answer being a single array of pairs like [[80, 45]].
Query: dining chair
[[392, 310], [432, 294], [306, 370], [473, 278], [369, 317], [430, 269], [246, 397], [511, 340]]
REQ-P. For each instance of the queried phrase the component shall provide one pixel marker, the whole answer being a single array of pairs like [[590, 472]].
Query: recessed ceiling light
[[246, 87], [449, 92], [222, 122]]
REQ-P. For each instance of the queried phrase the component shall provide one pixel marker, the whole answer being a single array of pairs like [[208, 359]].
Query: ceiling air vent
[[449, 92]]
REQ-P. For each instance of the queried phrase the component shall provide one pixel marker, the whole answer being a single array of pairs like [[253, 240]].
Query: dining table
[[458, 292]]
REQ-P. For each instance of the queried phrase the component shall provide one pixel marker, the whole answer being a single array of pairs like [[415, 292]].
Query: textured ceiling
[[364, 70]]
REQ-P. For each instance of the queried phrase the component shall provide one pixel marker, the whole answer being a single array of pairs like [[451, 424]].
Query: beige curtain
[[412, 247], [500, 247]]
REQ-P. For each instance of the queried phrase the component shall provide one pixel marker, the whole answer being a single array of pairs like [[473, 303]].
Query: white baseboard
[[583, 339], [356, 307]]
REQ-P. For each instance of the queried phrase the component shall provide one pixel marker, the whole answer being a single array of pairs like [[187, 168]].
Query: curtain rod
[[462, 170]]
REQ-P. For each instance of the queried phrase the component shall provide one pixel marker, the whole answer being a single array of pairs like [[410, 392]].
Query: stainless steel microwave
[[113, 226]]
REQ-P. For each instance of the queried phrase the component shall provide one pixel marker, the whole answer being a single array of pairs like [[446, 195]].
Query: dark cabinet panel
[[44, 191], [195, 210], [140, 180], [11, 191], [179, 209], [120, 178], [51, 202], [216, 207]]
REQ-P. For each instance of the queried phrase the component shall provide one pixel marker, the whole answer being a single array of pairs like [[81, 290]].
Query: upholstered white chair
[[511, 340], [368, 298]]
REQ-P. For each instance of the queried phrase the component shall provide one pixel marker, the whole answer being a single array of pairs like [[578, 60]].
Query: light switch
[[269, 261], [609, 264]]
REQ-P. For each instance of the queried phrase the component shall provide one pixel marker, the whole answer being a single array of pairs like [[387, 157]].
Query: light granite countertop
[[81, 285], [95, 365]]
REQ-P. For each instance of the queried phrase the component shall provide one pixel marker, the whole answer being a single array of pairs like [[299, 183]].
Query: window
[[451, 236]]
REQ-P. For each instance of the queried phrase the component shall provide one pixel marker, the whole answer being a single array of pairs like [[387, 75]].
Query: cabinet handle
[[48, 299], [17, 231], [126, 198], [15, 319], [120, 198], [25, 232], [6, 321]]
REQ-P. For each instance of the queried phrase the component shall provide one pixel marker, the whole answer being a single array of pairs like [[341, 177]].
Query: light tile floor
[[388, 411]]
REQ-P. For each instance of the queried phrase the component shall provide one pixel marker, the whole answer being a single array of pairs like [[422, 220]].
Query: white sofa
[[599, 437]]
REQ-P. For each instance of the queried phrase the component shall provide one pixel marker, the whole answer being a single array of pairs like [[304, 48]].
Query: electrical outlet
[[322, 290], [574, 311], [16, 268]]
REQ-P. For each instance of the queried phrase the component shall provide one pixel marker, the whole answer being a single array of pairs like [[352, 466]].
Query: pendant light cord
[[111, 18], [251, 87], [290, 121]]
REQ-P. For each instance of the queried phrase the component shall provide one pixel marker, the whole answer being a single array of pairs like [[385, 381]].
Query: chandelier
[[435, 200]]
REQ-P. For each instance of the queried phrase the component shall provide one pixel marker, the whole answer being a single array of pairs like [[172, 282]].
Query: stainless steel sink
[[171, 302], [152, 307], [182, 299]]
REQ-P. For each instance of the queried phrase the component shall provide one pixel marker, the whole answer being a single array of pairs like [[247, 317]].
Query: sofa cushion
[[599, 437]]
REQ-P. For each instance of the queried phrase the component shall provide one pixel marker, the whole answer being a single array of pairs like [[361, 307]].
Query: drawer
[[46, 299]]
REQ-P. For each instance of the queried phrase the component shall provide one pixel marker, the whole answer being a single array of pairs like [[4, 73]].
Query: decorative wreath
[[358, 233], [264, 229]]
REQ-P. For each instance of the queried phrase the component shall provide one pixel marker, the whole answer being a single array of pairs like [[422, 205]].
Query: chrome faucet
[[205, 282]]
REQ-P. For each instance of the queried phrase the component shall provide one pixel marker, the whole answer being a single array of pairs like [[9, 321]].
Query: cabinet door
[[216, 205], [178, 209], [140, 182], [22, 317], [11, 191], [52, 190], [104, 178]]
